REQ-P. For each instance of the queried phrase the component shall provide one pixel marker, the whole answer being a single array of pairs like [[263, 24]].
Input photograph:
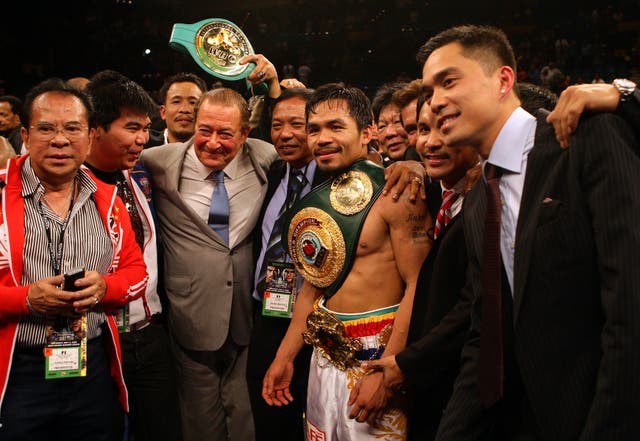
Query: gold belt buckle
[[326, 333]]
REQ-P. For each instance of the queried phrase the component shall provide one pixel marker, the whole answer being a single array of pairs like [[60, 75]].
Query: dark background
[[364, 43]]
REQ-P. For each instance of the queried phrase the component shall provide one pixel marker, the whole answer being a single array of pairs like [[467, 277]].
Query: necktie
[[275, 251], [444, 215], [125, 193], [491, 352], [219, 208]]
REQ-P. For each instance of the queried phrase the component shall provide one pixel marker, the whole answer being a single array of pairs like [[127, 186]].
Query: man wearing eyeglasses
[[59, 347]]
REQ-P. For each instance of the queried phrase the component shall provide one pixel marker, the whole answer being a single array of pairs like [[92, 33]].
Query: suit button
[[229, 283]]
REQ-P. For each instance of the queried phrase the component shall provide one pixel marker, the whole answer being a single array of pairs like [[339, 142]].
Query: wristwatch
[[625, 87]]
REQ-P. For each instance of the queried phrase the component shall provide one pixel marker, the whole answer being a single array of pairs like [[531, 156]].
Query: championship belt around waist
[[326, 333], [346, 344], [325, 225], [216, 45]]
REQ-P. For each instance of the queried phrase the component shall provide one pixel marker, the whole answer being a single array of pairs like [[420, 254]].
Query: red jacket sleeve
[[128, 277]]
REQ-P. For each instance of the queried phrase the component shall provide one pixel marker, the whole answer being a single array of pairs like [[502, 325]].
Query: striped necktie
[[219, 208], [444, 215], [275, 251]]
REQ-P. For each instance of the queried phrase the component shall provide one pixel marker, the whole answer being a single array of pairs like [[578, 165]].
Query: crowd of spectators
[[365, 43]]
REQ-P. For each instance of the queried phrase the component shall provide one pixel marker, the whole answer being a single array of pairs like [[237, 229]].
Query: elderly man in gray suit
[[208, 193]]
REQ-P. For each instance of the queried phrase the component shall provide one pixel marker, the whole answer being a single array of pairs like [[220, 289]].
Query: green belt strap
[[317, 210], [219, 61]]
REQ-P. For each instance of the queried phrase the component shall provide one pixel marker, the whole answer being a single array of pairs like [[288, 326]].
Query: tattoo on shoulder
[[416, 218], [419, 235]]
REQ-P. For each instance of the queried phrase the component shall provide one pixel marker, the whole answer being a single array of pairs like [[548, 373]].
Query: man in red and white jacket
[[55, 217]]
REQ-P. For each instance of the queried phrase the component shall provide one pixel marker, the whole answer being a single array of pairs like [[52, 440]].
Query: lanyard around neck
[[55, 253]]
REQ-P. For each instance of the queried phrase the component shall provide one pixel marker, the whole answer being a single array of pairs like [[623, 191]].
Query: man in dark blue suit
[[561, 305]]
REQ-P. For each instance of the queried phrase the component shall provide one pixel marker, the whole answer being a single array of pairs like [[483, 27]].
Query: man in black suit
[[562, 306], [440, 317], [290, 140]]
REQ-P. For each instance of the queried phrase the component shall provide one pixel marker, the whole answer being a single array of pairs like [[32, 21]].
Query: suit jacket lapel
[[539, 162], [473, 210], [172, 183]]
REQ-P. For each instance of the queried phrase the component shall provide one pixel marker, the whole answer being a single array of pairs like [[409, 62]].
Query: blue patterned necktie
[[219, 208], [275, 251]]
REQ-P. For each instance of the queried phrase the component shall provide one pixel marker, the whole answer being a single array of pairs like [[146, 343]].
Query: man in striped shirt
[[59, 348]]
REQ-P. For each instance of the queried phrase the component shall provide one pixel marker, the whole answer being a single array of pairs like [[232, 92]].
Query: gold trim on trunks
[[351, 192], [316, 246]]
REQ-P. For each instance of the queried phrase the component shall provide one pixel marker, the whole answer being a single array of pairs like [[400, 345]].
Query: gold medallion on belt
[[316, 246], [351, 192]]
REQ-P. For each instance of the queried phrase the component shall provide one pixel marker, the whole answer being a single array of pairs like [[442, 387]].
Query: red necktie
[[444, 215], [491, 351]]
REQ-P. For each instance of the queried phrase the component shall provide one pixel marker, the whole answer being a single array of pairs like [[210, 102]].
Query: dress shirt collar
[[31, 183], [511, 146], [308, 170], [457, 187]]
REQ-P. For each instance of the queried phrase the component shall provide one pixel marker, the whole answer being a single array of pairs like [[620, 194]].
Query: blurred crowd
[[367, 44]]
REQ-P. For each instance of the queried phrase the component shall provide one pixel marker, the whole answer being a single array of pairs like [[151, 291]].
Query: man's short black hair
[[57, 85], [534, 97], [111, 92], [296, 92], [486, 44], [384, 97], [182, 77], [14, 102], [409, 92], [358, 104]]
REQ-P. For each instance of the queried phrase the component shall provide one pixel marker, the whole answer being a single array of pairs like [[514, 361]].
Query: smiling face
[[219, 134], [178, 110], [466, 100], [119, 147], [446, 164], [288, 132], [333, 136], [391, 135], [56, 160]]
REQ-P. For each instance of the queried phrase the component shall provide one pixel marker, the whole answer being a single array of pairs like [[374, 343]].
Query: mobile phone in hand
[[70, 278]]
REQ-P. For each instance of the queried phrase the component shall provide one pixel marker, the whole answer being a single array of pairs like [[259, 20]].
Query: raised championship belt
[[216, 45], [325, 225]]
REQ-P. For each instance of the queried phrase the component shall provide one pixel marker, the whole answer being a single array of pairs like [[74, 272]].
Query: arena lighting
[[147, 51]]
